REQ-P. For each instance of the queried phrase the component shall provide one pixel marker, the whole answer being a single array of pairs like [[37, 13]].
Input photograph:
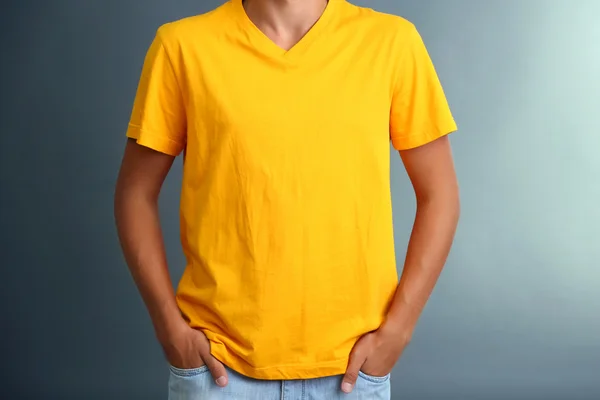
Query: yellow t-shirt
[[286, 215]]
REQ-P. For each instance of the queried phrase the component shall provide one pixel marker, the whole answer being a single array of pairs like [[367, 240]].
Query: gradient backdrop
[[516, 314]]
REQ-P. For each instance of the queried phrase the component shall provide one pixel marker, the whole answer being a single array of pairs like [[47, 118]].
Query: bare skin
[[431, 171], [285, 22], [143, 172], [141, 177]]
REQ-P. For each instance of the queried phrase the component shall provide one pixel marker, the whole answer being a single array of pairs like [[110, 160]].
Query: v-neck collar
[[261, 42]]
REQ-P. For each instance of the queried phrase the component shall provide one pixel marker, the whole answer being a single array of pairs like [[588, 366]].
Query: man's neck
[[285, 21]]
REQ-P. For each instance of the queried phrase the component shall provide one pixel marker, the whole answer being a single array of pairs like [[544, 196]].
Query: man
[[284, 111]]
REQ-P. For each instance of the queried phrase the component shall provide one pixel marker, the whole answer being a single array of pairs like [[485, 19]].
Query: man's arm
[[431, 170], [141, 177]]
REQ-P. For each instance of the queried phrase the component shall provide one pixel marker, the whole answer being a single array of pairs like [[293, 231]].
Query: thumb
[[357, 359], [217, 370]]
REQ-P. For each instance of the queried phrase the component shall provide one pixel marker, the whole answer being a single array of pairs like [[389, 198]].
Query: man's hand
[[375, 354], [189, 348], [141, 176], [431, 171]]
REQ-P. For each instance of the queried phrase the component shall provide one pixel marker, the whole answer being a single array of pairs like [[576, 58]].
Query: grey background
[[516, 312]]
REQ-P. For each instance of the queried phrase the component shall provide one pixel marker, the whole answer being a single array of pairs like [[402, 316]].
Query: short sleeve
[[158, 119], [419, 111]]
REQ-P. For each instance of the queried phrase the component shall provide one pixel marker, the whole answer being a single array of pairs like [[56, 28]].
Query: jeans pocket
[[188, 372], [374, 379]]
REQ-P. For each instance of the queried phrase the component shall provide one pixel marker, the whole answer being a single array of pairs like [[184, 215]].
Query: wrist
[[397, 330], [168, 323], [166, 332], [400, 323], [401, 318]]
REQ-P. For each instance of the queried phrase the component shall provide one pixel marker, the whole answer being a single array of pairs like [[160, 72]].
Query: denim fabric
[[198, 384]]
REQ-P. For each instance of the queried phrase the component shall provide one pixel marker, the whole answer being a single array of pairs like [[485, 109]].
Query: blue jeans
[[198, 384]]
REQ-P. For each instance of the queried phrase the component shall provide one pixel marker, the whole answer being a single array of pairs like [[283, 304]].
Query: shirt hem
[[401, 142], [152, 141], [282, 372]]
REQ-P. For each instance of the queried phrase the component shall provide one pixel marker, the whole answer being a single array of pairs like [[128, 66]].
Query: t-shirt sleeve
[[158, 119], [419, 112]]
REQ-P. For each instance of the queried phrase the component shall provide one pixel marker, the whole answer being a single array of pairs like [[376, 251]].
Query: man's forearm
[[430, 242], [140, 235]]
